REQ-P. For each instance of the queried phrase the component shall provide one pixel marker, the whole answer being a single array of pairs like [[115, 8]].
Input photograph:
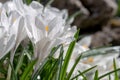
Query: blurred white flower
[[104, 62], [45, 27], [12, 25], [7, 33], [79, 48], [52, 31]]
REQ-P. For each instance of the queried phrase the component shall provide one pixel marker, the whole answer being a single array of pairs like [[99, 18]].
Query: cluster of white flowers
[[46, 27]]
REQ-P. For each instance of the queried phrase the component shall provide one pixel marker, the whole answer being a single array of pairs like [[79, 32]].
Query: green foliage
[[66, 60], [28, 1], [115, 67], [96, 75], [118, 12], [85, 71], [75, 64]]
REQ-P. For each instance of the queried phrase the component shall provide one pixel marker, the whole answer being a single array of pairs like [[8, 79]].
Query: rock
[[96, 12], [108, 36], [100, 12], [3, 1]]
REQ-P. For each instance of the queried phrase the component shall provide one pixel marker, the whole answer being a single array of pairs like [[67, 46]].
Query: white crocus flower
[[52, 33], [104, 62], [8, 33], [78, 49], [9, 6], [13, 15], [45, 28], [12, 24]]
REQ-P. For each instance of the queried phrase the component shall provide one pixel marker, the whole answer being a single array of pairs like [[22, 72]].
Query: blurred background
[[98, 18]]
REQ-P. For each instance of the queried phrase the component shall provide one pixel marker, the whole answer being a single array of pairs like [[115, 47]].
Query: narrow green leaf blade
[[84, 77], [85, 71], [28, 70], [75, 64], [60, 60], [104, 75], [20, 60], [96, 75], [115, 67], [66, 61], [76, 36]]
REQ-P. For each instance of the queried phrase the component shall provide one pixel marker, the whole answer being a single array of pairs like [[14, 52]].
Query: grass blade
[[84, 78], [71, 71], [20, 60], [96, 75], [76, 36], [102, 76], [85, 71], [14, 76], [66, 61], [101, 51], [115, 67], [73, 16], [109, 77], [28, 70], [28, 1], [60, 60]]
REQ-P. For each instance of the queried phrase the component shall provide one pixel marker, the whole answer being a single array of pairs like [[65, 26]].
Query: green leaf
[[52, 70], [76, 36], [66, 61], [101, 51], [73, 16], [85, 71], [84, 77], [115, 67], [109, 77], [28, 70], [14, 76], [20, 62], [2, 70], [28, 1], [49, 3], [104, 75], [96, 75], [60, 61], [118, 10], [75, 64], [2, 79]]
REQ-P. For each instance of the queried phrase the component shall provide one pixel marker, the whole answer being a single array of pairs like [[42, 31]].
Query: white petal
[[2, 47], [4, 19], [85, 41], [55, 26], [36, 5], [9, 6]]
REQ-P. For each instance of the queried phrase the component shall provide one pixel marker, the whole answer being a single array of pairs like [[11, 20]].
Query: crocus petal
[[41, 50], [21, 29], [13, 16], [1, 47], [55, 27], [86, 41], [36, 5], [10, 6], [4, 19]]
